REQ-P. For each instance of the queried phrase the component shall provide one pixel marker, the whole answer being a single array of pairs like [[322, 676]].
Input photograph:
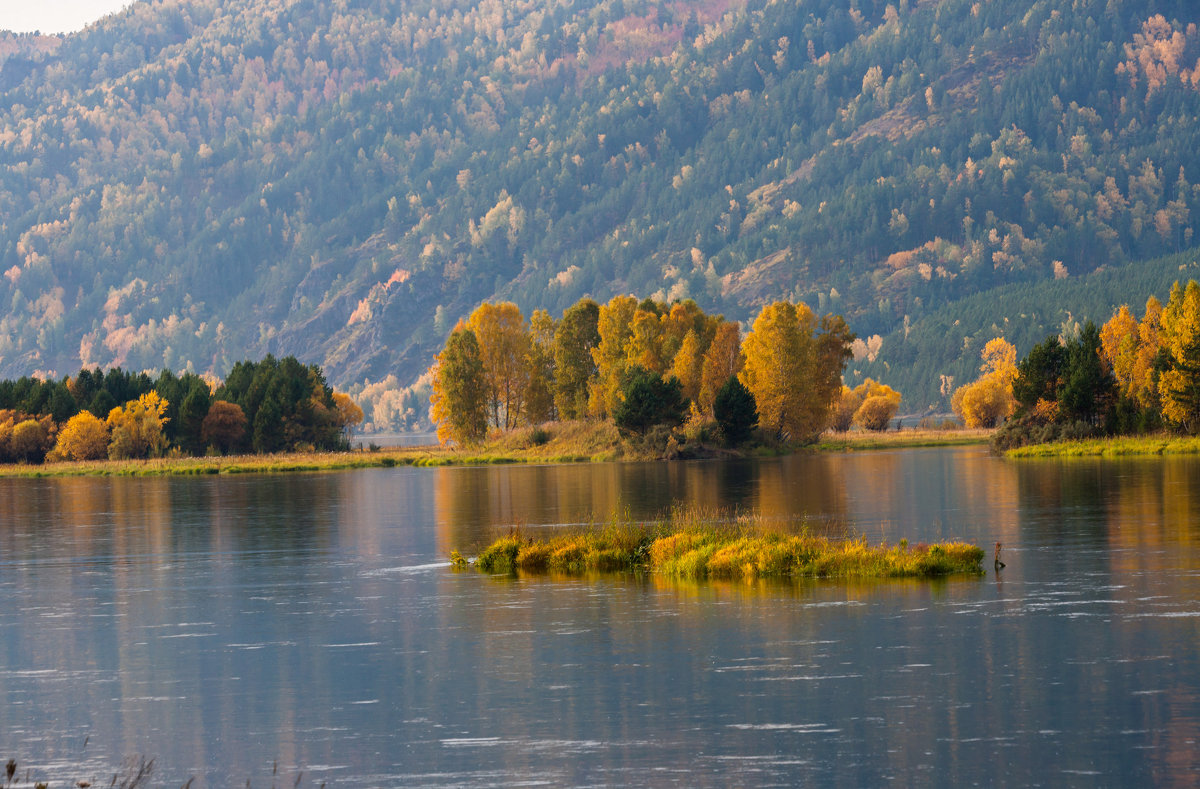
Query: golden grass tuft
[[832, 441], [748, 548]]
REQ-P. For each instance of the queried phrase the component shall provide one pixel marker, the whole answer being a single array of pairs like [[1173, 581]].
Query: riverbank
[[562, 442], [1122, 446], [686, 547], [899, 439]]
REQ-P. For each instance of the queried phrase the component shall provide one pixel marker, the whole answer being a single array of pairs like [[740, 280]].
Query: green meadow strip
[[1134, 446]]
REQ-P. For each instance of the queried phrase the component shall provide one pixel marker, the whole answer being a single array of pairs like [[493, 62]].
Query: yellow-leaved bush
[[83, 437], [989, 400]]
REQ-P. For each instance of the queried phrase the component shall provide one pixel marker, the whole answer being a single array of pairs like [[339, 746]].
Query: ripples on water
[[223, 626]]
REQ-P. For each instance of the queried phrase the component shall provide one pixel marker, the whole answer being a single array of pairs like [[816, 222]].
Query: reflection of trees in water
[[1057, 498], [1132, 527], [286, 513], [928, 495], [800, 485], [1147, 505], [474, 505], [1145, 509]]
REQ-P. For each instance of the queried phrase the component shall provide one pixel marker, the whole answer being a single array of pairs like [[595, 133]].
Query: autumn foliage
[[1132, 375], [497, 370], [794, 367], [989, 399], [84, 437], [275, 404]]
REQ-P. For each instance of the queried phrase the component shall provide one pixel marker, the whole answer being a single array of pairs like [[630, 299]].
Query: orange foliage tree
[[878, 403], [722, 361], [224, 426], [1130, 348]]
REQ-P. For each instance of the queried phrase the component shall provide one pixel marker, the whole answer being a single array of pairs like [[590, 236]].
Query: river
[[306, 629]]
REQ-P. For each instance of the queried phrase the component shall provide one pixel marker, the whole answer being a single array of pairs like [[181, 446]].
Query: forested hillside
[[194, 182]]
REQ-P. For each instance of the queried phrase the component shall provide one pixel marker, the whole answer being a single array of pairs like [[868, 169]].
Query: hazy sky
[[54, 16]]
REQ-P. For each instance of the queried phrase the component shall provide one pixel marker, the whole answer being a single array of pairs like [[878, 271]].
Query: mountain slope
[[200, 182]]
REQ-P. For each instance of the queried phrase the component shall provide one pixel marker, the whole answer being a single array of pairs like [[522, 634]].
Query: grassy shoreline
[[685, 547], [900, 439], [1122, 446], [567, 442]]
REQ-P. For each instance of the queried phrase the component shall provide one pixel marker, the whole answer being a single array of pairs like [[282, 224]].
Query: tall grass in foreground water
[[686, 545]]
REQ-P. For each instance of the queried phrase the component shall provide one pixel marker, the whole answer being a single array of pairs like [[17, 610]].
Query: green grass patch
[[685, 548], [1121, 446]]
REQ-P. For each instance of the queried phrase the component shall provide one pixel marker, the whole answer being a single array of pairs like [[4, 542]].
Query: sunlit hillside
[[194, 182]]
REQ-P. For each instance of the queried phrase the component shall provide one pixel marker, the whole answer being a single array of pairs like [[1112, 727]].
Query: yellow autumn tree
[[685, 317], [30, 440], [1179, 384], [504, 341], [349, 413], [841, 417], [137, 428], [1119, 345], [458, 403], [645, 347], [1145, 386], [988, 400], [722, 361], [83, 437], [688, 367], [878, 404], [1130, 348], [615, 327], [793, 368]]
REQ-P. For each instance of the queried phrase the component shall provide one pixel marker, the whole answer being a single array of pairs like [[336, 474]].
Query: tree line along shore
[[629, 378], [1131, 386], [266, 407]]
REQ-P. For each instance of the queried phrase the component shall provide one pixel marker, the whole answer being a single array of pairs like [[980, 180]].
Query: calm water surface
[[224, 626]]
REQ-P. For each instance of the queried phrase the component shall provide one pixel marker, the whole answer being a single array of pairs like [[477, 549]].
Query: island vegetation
[[694, 545], [665, 374]]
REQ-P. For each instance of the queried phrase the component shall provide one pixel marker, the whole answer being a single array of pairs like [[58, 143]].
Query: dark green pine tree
[[649, 400], [190, 421], [1039, 374], [1187, 395], [735, 411], [268, 426], [1087, 390]]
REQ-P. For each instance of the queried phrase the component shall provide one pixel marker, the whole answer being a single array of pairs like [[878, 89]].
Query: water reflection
[[219, 624], [919, 496]]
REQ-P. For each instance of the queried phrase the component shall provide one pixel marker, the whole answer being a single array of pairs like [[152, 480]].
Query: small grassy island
[[688, 549]]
